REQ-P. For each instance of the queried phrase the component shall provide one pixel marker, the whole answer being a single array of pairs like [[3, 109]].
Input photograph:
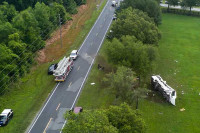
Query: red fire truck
[[64, 67]]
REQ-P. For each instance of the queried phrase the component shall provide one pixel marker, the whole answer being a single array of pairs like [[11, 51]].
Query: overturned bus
[[160, 85]]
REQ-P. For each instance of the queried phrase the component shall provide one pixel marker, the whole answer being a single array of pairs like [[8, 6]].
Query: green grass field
[[178, 64], [28, 95]]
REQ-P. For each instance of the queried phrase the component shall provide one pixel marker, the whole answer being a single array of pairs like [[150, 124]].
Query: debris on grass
[[161, 113], [176, 61], [92, 83], [182, 92], [182, 109]]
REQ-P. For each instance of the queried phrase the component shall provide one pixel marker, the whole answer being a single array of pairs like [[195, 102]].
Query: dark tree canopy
[[134, 22], [117, 119], [130, 52], [24, 25], [151, 7], [189, 3]]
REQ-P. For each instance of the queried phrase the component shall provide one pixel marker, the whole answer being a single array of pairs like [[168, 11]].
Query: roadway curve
[[50, 118]]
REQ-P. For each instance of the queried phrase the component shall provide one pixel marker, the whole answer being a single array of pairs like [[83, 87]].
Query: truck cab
[[5, 116]]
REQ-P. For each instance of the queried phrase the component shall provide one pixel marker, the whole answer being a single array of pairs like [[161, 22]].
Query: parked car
[[51, 68], [5, 116], [74, 54]]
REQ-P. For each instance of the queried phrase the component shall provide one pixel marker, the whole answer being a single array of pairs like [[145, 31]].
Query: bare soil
[[70, 30]]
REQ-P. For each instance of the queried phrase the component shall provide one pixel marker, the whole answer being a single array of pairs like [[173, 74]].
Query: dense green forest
[[24, 25]]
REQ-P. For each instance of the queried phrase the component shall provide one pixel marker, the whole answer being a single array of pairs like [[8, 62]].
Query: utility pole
[[60, 31]]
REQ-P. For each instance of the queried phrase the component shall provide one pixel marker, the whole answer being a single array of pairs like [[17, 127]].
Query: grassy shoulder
[[96, 96], [29, 93], [178, 64]]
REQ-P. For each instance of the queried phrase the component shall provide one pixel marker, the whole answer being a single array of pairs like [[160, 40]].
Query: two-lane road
[[50, 119]]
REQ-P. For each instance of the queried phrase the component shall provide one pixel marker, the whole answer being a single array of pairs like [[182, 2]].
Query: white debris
[[199, 93], [182, 92], [182, 109], [174, 73], [176, 61], [92, 83]]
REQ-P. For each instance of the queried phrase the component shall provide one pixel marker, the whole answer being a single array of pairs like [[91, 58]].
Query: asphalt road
[[179, 7], [50, 118]]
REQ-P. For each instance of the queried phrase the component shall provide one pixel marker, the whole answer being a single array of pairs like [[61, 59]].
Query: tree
[[6, 57], [70, 6], [125, 119], [9, 11], [151, 7], [173, 3], [27, 24], [42, 15], [117, 119], [80, 2], [88, 121], [123, 83], [6, 29], [134, 22], [57, 9], [189, 3], [130, 52]]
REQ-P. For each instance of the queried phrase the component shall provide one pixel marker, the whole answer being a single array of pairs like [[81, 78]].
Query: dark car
[[5, 116], [52, 67]]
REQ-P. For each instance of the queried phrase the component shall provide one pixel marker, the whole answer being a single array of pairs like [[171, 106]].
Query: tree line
[[131, 50], [115, 119], [184, 3], [24, 31]]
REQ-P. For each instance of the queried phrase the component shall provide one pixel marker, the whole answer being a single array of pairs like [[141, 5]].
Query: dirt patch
[[56, 35], [70, 30]]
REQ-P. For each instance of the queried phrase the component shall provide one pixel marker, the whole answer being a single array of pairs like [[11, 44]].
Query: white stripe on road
[[43, 109], [78, 68], [87, 73], [93, 25]]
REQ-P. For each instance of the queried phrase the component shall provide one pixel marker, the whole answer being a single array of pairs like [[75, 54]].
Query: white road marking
[[78, 68], [47, 125], [58, 107], [43, 109], [70, 84], [87, 73], [94, 25]]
